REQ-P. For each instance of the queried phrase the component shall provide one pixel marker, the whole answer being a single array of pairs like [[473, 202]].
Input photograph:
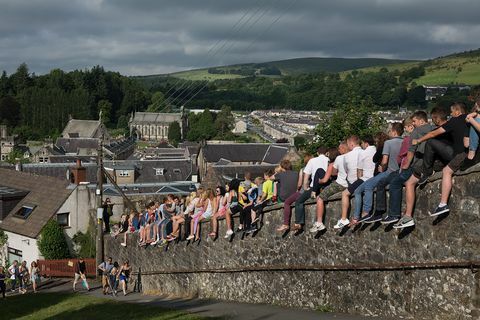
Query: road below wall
[[214, 308]]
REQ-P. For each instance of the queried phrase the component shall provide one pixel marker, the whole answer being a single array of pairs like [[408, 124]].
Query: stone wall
[[369, 281]]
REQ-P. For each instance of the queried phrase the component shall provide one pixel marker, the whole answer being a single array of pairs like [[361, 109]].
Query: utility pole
[[99, 201]]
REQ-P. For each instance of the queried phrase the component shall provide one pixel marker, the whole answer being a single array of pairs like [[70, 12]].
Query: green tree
[[52, 243], [201, 126], [224, 122], [174, 133], [9, 111], [157, 102], [105, 107], [354, 117]]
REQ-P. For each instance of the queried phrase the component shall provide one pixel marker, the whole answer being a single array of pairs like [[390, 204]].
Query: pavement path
[[214, 308]]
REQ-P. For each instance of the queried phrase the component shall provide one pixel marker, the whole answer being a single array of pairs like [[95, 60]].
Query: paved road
[[213, 308]]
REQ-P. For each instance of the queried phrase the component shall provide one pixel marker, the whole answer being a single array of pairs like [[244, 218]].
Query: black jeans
[[246, 217], [2, 288], [300, 206], [435, 149]]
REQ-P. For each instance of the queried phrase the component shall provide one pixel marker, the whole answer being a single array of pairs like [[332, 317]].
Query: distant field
[[202, 74], [452, 70]]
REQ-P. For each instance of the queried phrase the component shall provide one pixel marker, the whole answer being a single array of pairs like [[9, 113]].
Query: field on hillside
[[442, 71], [454, 70], [202, 74]]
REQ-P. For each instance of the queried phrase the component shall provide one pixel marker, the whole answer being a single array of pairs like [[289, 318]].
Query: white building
[[28, 202]]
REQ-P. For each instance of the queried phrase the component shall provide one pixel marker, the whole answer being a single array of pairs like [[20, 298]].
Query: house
[[7, 143], [93, 129], [215, 159], [28, 202], [240, 126]]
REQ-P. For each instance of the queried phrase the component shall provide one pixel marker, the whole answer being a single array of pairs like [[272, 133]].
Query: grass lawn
[[78, 306]]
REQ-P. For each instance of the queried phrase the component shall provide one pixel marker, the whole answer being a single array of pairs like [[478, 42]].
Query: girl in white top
[[205, 211], [221, 205]]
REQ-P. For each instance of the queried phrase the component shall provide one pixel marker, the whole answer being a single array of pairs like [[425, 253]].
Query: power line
[[230, 34], [258, 37], [265, 9]]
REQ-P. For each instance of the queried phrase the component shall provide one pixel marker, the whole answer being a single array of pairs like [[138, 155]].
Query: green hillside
[[279, 68], [458, 68]]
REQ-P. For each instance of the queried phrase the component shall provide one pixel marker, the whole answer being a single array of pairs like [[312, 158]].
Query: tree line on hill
[[36, 107]]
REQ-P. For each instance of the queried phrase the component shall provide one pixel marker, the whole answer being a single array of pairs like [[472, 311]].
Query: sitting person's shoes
[[390, 219], [317, 226], [341, 224], [404, 222], [441, 209], [283, 228]]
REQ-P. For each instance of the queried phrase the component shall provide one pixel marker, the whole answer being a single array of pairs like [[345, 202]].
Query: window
[[63, 219], [124, 173], [25, 211], [14, 254], [159, 171]]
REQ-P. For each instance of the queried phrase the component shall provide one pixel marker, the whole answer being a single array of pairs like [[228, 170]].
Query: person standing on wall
[[107, 213]]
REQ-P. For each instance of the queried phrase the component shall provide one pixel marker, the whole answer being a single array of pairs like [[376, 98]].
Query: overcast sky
[[140, 37]]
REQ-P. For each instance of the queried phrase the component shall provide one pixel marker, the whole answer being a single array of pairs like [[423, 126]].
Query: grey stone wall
[[432, 293]]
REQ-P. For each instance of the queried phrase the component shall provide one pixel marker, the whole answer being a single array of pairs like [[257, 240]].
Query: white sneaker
[[317, 226], [123, 244], [228, 234], [190, 237], [341, 224]]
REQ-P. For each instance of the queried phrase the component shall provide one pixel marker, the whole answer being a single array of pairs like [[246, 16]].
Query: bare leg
[[320, 210], [446, 184], [345, 203], [410, 185]]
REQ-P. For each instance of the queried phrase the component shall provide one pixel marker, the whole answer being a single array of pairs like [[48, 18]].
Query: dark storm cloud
[[152, 36]]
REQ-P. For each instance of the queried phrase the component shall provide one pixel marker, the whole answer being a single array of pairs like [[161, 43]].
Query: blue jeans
[[381, 194], [474, 137], [367, 188], [300, 206], [396, 186]]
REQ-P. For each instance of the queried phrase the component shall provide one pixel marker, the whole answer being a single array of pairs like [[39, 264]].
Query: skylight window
[[25, 211]]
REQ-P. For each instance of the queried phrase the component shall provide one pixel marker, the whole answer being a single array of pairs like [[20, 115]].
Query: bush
[[354, 117], [85, 244], [52, 243]]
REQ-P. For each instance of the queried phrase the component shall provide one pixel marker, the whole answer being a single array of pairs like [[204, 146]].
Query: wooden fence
[[64, 267]]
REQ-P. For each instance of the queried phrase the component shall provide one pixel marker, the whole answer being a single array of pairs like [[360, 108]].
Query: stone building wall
[[373, 276]]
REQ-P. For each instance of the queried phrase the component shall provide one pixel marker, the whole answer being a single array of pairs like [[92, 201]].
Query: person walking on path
[[34, 275], [81, 273], [105, 267], [123, 275]]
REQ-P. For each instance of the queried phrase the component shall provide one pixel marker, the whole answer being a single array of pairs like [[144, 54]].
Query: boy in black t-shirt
[[454, 153]]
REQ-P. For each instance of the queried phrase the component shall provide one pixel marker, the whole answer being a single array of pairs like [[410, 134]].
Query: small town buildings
[[89, 129]]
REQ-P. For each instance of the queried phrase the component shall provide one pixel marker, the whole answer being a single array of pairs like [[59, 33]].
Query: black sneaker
[[373, 219], [390, 219], [252, 229], [239, 230], [440, 210]]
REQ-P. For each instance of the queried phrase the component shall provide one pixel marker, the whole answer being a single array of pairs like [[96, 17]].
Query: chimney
[[79, 173]]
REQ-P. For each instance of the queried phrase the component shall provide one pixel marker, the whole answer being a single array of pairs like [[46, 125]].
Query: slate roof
[[60, 170], [75, 145], [154, 117], [81, 128], [275, 154], [244, 152], [228, 172], [46, 193]]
